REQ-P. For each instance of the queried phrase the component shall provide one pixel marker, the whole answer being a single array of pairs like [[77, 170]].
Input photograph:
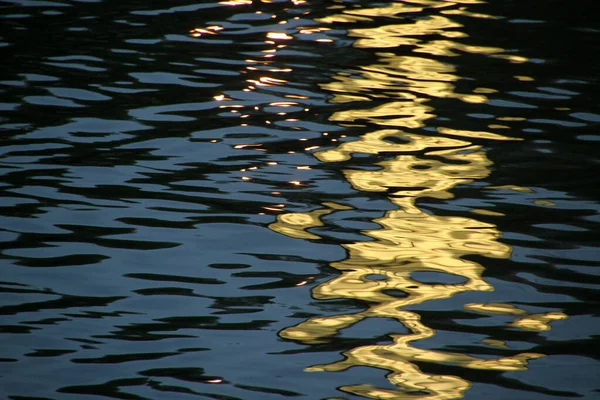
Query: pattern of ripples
[[235, 199]]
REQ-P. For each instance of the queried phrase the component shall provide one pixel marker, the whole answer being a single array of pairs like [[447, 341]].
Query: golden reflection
[[279, 36], [397, 94], [236, 2], [531, 322], [296, 224], [209, 30], [538, 322]]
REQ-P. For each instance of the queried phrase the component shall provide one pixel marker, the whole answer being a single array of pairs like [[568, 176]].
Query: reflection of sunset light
[[272, 208], [309, 31], [311, 148], [283, 104], [242, 146], [246, 178], [236, 2], [408, 239], [209, 30], [524, 78], [295, 96], [278, 36], [219, 97], [273, 81], [215, 381]]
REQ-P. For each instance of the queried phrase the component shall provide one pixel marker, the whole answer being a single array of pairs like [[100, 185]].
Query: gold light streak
[[475, 134], [279, 36], [538, 322], [236, 2], [295, 96], [209, 30], [419, 164], [296, 224], [525, 321], [310, 31], [272, 81], [283, 104]]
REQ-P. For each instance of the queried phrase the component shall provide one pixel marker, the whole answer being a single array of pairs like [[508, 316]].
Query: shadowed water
[[319, 199]]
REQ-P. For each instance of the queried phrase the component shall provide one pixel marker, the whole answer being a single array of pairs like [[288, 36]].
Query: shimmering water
[[275, 199]]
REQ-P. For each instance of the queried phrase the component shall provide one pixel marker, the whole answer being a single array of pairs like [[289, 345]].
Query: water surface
[[320, 199]]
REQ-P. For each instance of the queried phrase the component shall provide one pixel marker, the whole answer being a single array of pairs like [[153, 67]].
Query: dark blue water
[[318, 199]]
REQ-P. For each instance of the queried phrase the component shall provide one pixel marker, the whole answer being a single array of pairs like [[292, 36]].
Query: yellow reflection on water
[[396, 93]]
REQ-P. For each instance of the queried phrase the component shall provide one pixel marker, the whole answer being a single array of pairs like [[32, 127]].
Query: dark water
[[276, 199]]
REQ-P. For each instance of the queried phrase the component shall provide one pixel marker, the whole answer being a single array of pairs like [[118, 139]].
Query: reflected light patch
[[272, 208], [278, 36], [295, 96], [236, 2], [272, 81], [310, 31], [209, 30], [283, 104]]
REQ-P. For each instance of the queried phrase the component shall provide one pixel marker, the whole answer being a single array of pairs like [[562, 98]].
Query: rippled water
[[273, 199]]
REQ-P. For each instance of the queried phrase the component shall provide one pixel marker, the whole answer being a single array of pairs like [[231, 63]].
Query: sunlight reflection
[[396, 94]]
